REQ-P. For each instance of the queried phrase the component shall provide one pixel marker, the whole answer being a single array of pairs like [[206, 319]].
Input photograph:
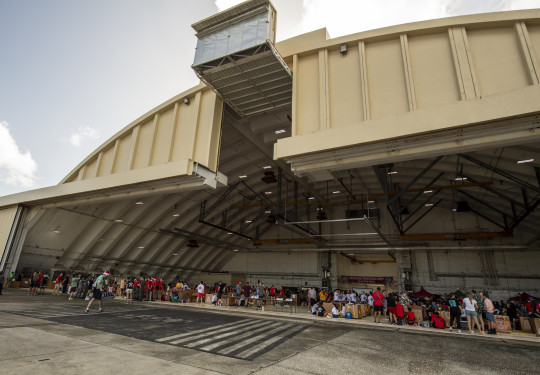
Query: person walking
[[378, 302], [99, 286], [479, 309], [472, 315], [74, 286]]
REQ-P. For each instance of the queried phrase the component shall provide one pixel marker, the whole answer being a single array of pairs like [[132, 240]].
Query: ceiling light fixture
[[336, 192], [428, 191], [175, 254], [141, 247], [139, 202], [230, 233], [429, 204], [57, 230], [267, 192], [248, 221], [236, 250], [280, 131], [267, 167], [242, 176], [392, 172], [461, 178], [371, 201], [118, 220], [176, 215], [267, 212], [525, 161], [311, 198]]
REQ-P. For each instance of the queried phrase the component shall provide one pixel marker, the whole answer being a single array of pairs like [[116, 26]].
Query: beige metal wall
[[7, 215], [171, 133], [344, 99]]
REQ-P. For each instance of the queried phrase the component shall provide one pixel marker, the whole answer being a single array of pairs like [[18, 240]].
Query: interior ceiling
[[155, 230]]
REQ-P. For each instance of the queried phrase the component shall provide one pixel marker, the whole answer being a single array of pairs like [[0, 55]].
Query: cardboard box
[[418, 314], [353, 309], [525, 324], [535, 326], [502, 323]]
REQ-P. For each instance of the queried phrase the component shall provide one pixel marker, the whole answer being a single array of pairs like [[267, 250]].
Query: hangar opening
[[409, 161]]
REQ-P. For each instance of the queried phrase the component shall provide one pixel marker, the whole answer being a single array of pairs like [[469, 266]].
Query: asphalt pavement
[[49, 334]]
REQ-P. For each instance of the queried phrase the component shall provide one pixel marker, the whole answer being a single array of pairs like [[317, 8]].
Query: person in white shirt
[[336, 295], [335, 312], [470, 310], [363, 298], [200, 292], [370, 300], [353, 297]]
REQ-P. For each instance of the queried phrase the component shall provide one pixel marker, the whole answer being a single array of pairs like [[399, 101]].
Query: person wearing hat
[[99, 284]]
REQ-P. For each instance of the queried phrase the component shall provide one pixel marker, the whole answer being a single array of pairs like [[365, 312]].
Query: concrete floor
[[49, 334]]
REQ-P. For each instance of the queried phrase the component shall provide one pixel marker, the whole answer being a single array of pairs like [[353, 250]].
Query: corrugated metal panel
[[7, 216]]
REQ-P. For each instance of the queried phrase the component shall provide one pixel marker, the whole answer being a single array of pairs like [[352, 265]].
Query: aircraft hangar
[[406, 156]]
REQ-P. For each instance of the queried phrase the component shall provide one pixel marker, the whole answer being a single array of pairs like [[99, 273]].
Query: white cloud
[[16, 168], [342, 17], [81, 134]]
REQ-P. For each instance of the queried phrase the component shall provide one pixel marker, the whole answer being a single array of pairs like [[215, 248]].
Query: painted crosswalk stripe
[[247, 344], [201, 331], [212, 332], [265, 344], [199, 343]]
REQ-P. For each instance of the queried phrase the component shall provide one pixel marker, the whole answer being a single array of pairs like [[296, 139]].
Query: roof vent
[[269, 177], [192, 243]]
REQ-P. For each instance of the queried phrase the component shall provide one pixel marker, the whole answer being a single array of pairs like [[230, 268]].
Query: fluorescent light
[[393, 172], [57, 231], [176, 215], [525, 161], [371, 201], [461, 178], [350, 255], [454, 209], [428, 191], [175, 254], [267, 167], [268, 212], [242, 176], [236, 250], [429, 204], [267, 192], [336, 192], [118, 220], [311, 198], [139, 202], [280, 131], [230, 233], [248, 221], [141, 247]]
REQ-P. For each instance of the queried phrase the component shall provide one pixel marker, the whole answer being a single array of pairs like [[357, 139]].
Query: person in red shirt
[[378, 302], [400, 313], [148, 288], [410, 317]]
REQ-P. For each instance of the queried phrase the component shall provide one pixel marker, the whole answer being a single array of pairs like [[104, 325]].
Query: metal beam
[[413, 181], [420, 193], [484, 203], [424, 214], [423, 204], [487, 218], [455, 236], [522, 217], [500, 172], [494, 191]]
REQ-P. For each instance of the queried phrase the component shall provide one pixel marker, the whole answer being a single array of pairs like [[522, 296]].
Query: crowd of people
[[477, 309], [474, 310]]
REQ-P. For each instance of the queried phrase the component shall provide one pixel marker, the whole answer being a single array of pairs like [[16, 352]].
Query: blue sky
[[74, 72]]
